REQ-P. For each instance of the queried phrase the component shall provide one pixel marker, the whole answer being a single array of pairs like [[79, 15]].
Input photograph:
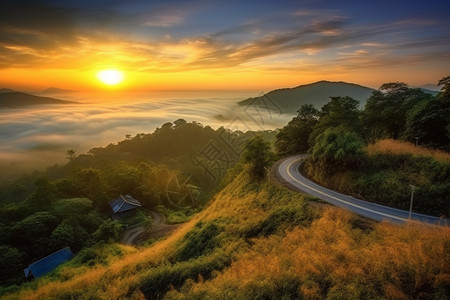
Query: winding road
[[288, 171], [137, 234]]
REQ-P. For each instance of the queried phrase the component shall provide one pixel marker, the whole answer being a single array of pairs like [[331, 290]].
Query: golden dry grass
[[401, 147], [329, 258], [330, 252]]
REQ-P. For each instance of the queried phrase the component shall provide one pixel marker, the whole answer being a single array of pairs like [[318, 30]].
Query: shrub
[[199, 241], [158, 280]]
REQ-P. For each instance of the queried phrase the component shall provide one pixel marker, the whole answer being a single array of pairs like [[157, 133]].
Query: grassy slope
[[259, 241]]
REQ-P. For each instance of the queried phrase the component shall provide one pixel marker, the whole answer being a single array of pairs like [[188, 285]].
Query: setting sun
[[110, 77]]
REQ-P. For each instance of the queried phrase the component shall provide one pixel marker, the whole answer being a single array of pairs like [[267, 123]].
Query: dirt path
[[137, 235]]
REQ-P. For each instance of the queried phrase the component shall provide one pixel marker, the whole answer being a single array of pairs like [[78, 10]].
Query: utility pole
[[412, 198]]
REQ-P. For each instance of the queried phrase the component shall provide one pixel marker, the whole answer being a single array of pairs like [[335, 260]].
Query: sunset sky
[[221, 45]]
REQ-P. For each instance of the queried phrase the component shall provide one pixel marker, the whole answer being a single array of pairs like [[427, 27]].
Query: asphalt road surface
[[136, 235], [288, 171]]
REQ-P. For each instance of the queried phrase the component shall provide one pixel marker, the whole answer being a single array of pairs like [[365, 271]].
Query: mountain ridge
[[289, 100], [13, 99]]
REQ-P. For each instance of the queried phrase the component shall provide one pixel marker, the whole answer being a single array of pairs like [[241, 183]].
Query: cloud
[[166, 37], [40, 136], [164, 21]]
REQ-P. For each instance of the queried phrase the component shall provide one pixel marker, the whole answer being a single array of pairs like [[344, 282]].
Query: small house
[[123, 204], [48, 263]]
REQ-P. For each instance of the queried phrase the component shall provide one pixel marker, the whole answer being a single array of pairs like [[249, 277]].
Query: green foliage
[[108, 231], [10, 260], [280, 219], [19, 192], [258, 155], [338, 148], [199, 241], [445, 90], [386, 178], [64, 234], [157, 282], [137, 217], [176, 217], [293, 138], [340, 111], [65, 208], [429, 121], [44, 195], [386, 110], [98, 254], [89, 184], [141, 181], [33, 227]]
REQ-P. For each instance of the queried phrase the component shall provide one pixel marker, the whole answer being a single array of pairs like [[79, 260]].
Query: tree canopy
[[258, 155]]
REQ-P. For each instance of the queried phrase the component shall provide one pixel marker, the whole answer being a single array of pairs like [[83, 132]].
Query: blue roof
[[124, 203], [48, 263]]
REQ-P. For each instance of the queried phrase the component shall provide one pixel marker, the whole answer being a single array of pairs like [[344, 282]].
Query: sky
[[177, 45]]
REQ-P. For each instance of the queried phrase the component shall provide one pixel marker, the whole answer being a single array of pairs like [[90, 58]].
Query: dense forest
[[68, 205], [367, 152]]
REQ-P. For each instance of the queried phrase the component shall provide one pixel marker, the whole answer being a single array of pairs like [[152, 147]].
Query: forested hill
[[14, 99], [290, 99]]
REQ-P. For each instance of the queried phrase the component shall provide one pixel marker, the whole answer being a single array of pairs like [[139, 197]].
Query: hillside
[[3, 90], [387, 170], [13, 99], [260, 241], [290, 100]]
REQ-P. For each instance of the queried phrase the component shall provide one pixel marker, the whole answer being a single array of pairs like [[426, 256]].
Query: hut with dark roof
[[48, 263], [123, 204]]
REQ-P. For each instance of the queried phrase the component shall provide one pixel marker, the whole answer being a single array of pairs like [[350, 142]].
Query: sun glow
[[110, 77]]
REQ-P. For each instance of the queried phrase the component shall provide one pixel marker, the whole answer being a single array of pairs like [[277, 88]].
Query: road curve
[[288, 171]]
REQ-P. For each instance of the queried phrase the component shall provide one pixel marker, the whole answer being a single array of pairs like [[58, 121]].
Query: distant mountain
[[55, 90], [430, 87], [6, 91], [289, 100], [432, 92], [18, 99]]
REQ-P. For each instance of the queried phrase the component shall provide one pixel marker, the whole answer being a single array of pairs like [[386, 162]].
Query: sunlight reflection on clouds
[[38, 136]]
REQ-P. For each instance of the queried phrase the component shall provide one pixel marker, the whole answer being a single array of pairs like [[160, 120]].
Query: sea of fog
[[36, 137]]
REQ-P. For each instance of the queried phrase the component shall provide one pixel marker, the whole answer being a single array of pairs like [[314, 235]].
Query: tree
[[90, 185], [340, 111], [393, 88], [445, 90], [385, 111], [37, 226], [63, 234], [66, 188], [429, 120], [11, 262], [109, 230], [65, 208], [70, 154], [293, 138], [43, 196], [338, 149], [258, 155], [19, 192], [180, 123]]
